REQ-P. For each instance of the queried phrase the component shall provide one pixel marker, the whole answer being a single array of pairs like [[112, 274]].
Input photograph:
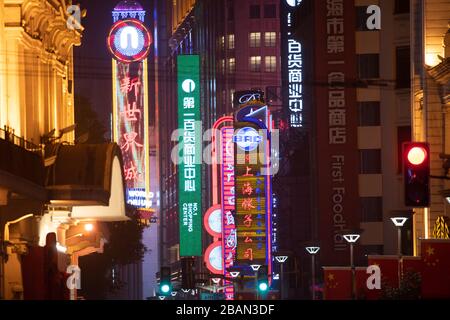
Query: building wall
[[430, 117], [37, 63]]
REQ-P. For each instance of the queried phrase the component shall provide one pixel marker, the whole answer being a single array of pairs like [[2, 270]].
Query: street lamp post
[[255, 268], [399, 222], [351, 238], [281, 260], [234, 275], [313, 251]]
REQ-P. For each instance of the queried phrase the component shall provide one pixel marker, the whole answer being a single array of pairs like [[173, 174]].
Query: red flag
[[436, 269], [337, 283]]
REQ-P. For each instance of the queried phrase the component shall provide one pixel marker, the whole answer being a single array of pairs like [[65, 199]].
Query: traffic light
[[165, 282], [187, 273], [263, 279], [416, 174]]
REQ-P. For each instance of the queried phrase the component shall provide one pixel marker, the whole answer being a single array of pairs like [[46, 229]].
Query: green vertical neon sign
[[190, 152]]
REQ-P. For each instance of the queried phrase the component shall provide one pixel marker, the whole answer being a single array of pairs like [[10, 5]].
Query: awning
[[89, 179]]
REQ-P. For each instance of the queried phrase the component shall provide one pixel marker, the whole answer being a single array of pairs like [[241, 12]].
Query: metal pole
[[399, 254], [256, 285], [353, 272], [313, 275], [282, 281]]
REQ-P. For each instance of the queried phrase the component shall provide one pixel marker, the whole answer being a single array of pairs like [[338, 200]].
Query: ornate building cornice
[[46, 20]]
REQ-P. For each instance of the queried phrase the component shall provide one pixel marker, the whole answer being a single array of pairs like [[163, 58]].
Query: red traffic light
[[417, 155]]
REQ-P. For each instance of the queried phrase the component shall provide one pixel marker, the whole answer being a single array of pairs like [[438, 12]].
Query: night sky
[[92, 64]]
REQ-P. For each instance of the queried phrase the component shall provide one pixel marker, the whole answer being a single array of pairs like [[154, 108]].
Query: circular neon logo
[[129, 40], [188, 86], [293, 3], [247, 139]]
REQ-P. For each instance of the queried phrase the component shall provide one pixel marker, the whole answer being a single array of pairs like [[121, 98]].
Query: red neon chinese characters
[[248, 254], [126, 85], [247, 189], [130, 140], [131, 172], [248, 220], [248, 174], [247, 204], [130, 112]]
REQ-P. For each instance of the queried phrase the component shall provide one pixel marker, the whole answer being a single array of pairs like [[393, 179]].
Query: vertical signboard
[[336, 120], [228, 206], [250, 189], [292, 65], [129, 42], [190, 153]]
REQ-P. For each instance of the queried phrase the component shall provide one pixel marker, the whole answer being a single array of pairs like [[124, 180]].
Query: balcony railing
[[7, 134]]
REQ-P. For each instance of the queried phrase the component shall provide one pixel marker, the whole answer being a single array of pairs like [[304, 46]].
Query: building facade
[[53, 192], [429, 105], [239, 48]]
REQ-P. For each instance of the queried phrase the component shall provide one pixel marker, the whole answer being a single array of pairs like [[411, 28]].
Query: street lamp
[[351, 237], [399, 222], [281, 260], [255, 268], [313, 251], [234, 275]]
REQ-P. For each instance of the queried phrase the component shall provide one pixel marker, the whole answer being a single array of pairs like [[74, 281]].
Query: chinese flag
[[337, 283], [436, 269], [388, 267]]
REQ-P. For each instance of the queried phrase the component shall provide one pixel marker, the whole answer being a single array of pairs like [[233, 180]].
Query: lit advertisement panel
[[190, 156], [292, 66], [131, 123], [250, 194], [228, 205]]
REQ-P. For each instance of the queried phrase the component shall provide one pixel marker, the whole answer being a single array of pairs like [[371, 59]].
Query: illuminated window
[[255, 39], [270, 63], [270, 39], [222, 42], [255, 63], [231, 65], [231, 41], [222, 66]]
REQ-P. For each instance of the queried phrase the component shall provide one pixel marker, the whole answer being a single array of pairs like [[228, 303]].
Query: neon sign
[[129, 40], [189, 167]]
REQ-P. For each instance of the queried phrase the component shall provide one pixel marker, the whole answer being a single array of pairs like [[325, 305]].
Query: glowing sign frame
[[133, 23], [189, 188]]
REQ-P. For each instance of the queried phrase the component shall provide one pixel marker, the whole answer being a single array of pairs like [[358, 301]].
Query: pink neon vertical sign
[[228, 206]]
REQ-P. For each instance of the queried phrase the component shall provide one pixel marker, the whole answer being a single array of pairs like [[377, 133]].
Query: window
[[401, 6], [231, 65], [368, 66], [371, 209], [222, 66], [255, 12], [369, 113], [255, 39], [270, 11], [370, 161], [270, 63], [403, 67], [270, 39], [231, 41], [231, 13], [255, 63], [222, 42], [403, 135]]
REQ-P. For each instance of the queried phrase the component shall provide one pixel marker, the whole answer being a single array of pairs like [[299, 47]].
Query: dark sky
[[92, 64]]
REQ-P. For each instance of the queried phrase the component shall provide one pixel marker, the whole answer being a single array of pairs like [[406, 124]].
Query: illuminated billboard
[[292, 66], [229, 240], [190, 156]]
